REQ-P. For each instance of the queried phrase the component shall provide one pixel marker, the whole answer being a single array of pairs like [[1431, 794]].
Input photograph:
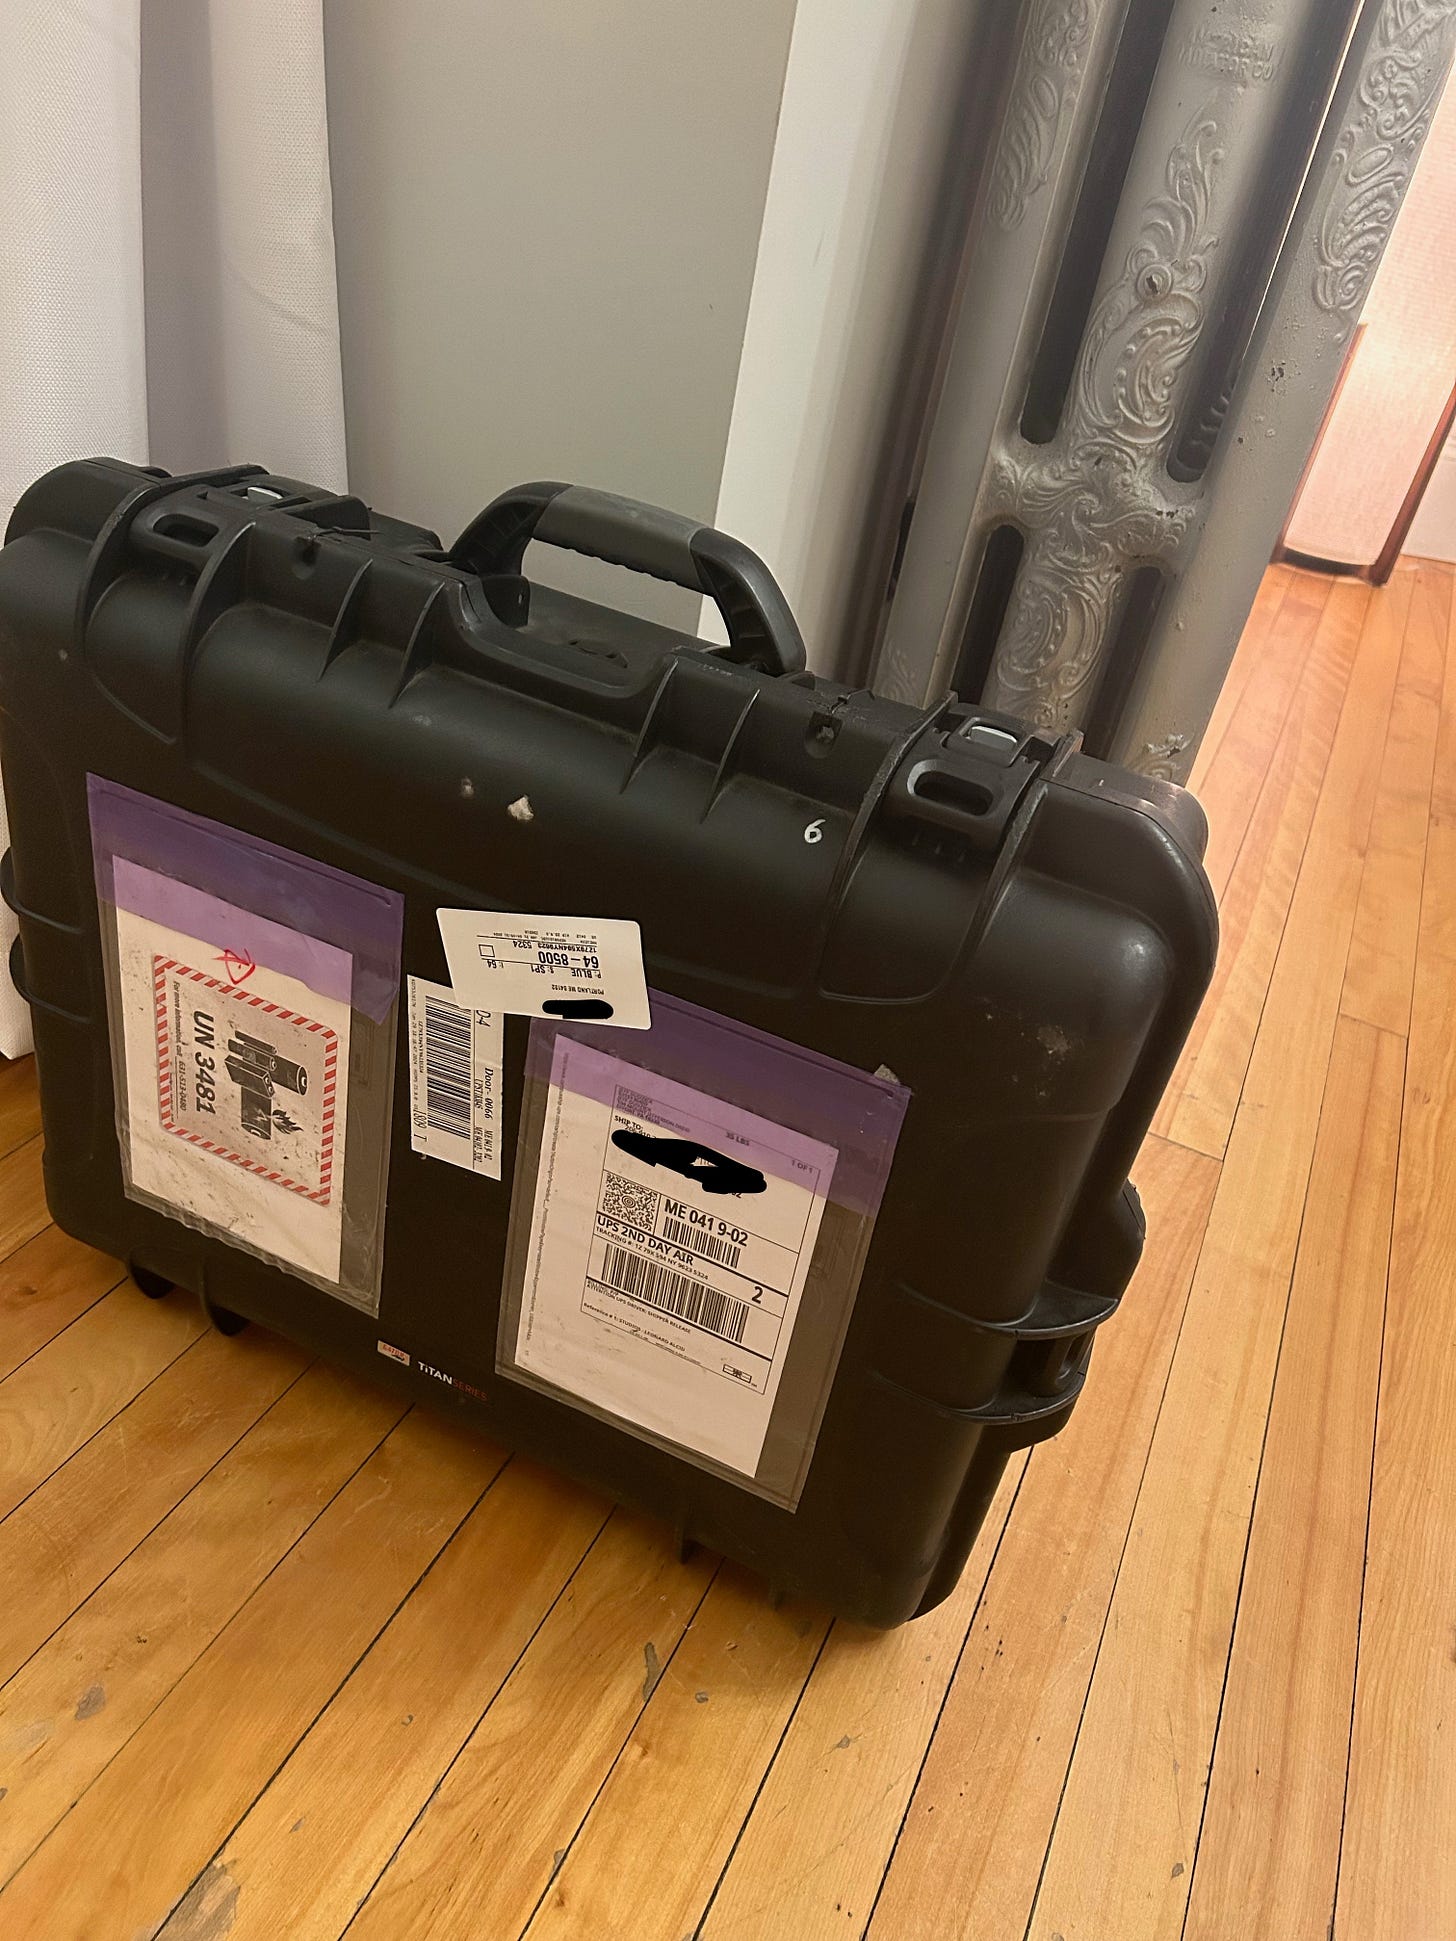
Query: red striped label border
[[320, 1194]]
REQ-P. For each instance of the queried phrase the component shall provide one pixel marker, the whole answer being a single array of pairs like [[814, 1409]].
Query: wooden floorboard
[[279, 1661], [1203, 1094], [1381, 967], [1251, 653], [1235, 775], [1443, 779], [974, 1839], [99, 1672], [45, 1285], [1269, 1847], [19, 1105], [133, 1843], [1152, 1712], [88, 1515], [358, 1780], [853, 1746], [22, 1197], [1396, 1880], [480, 1857], [54, 1403], [707, 1754]]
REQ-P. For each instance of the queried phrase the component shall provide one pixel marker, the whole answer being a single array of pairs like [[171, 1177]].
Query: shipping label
[[670, 1241], [455, 1079], [582, 968]]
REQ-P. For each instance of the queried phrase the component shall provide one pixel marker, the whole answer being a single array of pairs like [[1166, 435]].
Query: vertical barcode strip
[[679, 1294], [447, 1068]]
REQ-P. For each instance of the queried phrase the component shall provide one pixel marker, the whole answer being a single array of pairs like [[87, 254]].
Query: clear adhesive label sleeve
[[683, 1263], [252, 1000]]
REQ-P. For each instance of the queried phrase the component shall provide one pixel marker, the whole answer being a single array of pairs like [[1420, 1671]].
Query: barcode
[[696, 1241], [447, 1068], [680, 1294]]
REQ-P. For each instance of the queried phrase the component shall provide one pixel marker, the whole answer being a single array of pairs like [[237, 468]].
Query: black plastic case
[[1017, 935]]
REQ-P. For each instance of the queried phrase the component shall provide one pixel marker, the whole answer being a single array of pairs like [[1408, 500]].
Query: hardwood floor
[[279, 1661]]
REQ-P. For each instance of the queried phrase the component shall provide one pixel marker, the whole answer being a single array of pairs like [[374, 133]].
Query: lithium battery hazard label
[[246, 1079], [237, 1080]]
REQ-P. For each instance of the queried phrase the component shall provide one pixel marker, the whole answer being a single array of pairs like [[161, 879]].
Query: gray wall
[[547, 220]]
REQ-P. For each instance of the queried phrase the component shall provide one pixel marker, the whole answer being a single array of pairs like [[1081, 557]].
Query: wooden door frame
[[1383, 565]]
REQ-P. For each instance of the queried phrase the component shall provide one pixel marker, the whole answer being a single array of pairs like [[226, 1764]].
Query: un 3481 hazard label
[[237, 1082]]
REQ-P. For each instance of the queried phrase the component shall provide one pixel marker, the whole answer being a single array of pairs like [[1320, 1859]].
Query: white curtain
[[167, 286]]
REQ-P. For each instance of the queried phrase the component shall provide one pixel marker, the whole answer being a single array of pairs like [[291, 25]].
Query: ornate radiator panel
[[1138, 447]]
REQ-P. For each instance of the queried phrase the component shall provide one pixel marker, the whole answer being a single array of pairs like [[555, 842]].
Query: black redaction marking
[[715, 1172], [577, 1007]]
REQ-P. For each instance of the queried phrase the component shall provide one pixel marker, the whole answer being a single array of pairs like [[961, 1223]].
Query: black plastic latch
[[969, 774]]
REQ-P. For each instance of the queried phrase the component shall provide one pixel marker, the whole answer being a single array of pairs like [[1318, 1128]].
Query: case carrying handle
[[762, 632]]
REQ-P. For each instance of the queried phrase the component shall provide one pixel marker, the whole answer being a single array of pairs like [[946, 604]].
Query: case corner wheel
[[156, 1287], [223, 1318]]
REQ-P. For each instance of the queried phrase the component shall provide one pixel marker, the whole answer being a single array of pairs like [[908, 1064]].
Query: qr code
[[624, 1199]]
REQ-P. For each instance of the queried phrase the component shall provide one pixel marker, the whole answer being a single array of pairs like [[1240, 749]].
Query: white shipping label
[[455, 1079], [583, 968], [237, 1082], [670, 1242]]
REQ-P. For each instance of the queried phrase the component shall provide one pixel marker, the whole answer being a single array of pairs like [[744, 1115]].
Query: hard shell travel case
[[758, 1154]]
